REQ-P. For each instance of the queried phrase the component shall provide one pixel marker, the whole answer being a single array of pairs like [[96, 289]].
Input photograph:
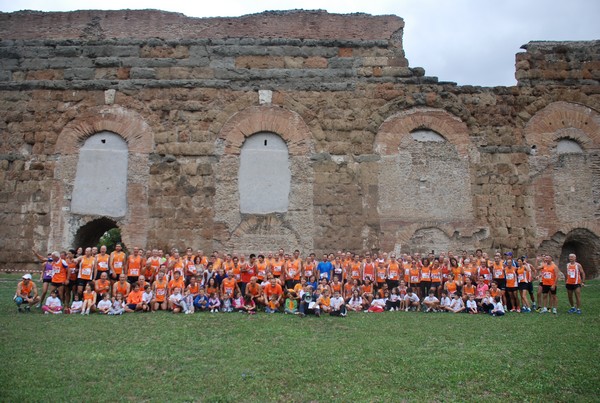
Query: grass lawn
[[390, 356]]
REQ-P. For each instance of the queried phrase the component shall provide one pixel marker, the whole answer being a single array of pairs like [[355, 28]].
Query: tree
[[110, 238]]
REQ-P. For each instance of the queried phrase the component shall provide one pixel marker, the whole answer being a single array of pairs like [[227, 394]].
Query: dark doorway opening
[[90, 233], [586, 246]]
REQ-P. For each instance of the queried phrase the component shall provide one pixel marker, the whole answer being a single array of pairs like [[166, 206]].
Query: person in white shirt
[[76, 305], [411, 300], [147, 298], [457, 305], [393, 302], [338, 307], [498, 307], [431, 302], [355, 303], [445, 301], [487, 303], [53, 303], [471, 304], [105, 304]]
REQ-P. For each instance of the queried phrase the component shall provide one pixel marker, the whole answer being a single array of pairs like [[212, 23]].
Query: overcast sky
[[466, 41]]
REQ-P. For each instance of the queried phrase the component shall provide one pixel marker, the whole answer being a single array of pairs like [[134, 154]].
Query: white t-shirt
[[445, 301], [431, 299], [76, 305], [457, 303], [54, 301], [104, 304], [379, 302], [355, 301], [498, 307], [147, 297], [336, 303], [411, 297], [471, 304], [394, 297], [175, 298]]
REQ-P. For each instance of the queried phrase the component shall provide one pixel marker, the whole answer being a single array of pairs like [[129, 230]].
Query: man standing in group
[[549, 273], [324, 267], [574, 281], [116, 263]]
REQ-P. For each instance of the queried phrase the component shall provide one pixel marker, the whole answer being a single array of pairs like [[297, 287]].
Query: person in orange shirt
[[549, 273], [512, 286], [102, 286], [101, 263], [273, 289], [26, 293], [89, 299], [116, 263], [229, 285], [160, 291], [122, 286], [574, 281], [134, 300], [393, 272], [133, 266], [86, 270], [176, 281], [60, 278]]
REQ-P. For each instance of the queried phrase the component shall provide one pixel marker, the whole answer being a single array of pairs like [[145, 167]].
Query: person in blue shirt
[[325, 266]]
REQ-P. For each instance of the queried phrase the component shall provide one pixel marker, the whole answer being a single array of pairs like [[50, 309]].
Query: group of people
[[92, 280]]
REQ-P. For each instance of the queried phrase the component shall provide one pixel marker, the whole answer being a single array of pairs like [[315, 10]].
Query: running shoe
[[544, 310], [578, 312], [572, 310], [554, 311]]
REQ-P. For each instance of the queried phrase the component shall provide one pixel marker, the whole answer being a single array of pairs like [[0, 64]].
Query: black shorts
[[548, 289], [512, 289], [132, 280], [132, 306], [46, 280], [501, 283], [82, 283], [57, 285], [524, 286], [572, 287]]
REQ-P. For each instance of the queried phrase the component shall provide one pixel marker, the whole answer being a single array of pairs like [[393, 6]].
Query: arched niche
[[264, 176], [101, 177], [281, 129], [137, 134], [89, 234]]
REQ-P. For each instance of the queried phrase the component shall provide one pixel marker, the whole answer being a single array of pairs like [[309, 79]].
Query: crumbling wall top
[[145, 24]]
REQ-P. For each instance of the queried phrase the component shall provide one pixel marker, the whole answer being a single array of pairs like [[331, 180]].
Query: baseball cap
[[26, 276], [508, 253]]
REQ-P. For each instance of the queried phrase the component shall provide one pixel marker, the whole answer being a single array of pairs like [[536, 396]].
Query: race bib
[[118, 265], [86, 271], [103, 265]]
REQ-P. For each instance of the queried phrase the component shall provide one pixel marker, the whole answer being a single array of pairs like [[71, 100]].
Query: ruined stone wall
[[185, 93]]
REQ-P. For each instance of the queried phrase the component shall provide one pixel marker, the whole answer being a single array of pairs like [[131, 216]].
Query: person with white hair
[[574, 280]]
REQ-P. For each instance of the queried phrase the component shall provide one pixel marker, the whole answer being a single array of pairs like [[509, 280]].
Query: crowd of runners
[[91, 280]]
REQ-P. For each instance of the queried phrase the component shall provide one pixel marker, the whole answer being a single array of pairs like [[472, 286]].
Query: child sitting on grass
[[147, 297], [53, 304], [291, 304], [457, 305], [338, 308], [213, 302], [104, 304], [487, 303], [355, 303], [445, 302], [272, 305], [411, 300], [76, 305], [89, 300], [498, 309], [238, 301], [393, 302], [249, 305], [118, 305], [471, 304], [430, 302], [227, 305]]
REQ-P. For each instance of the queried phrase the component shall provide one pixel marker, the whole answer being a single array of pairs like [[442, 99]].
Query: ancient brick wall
[[185, 93]]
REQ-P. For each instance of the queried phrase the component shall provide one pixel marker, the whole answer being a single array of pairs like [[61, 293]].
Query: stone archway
[[137, 134], [90, 233], [586, 245]]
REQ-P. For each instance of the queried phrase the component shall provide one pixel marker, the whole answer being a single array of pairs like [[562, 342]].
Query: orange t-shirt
[[134, 266], [161, 290], [135, 297], [228, 285], [102, 286], [573, 275], [86, 269], [102, 262], [118, 262], [176, 283]]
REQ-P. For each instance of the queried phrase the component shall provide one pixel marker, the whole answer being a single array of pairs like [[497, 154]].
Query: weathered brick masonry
[[184, 94]]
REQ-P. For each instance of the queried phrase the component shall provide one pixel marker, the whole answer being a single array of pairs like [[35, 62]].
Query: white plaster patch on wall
[[101, 179], [264, 174]]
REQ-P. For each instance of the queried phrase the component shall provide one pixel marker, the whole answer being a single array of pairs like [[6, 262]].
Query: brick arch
[[140, 141], [554, 121], [287, 124], [127, 124], [397, 127], [591, 226]]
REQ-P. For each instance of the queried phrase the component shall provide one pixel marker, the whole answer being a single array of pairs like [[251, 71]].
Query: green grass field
[[391, 356]]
